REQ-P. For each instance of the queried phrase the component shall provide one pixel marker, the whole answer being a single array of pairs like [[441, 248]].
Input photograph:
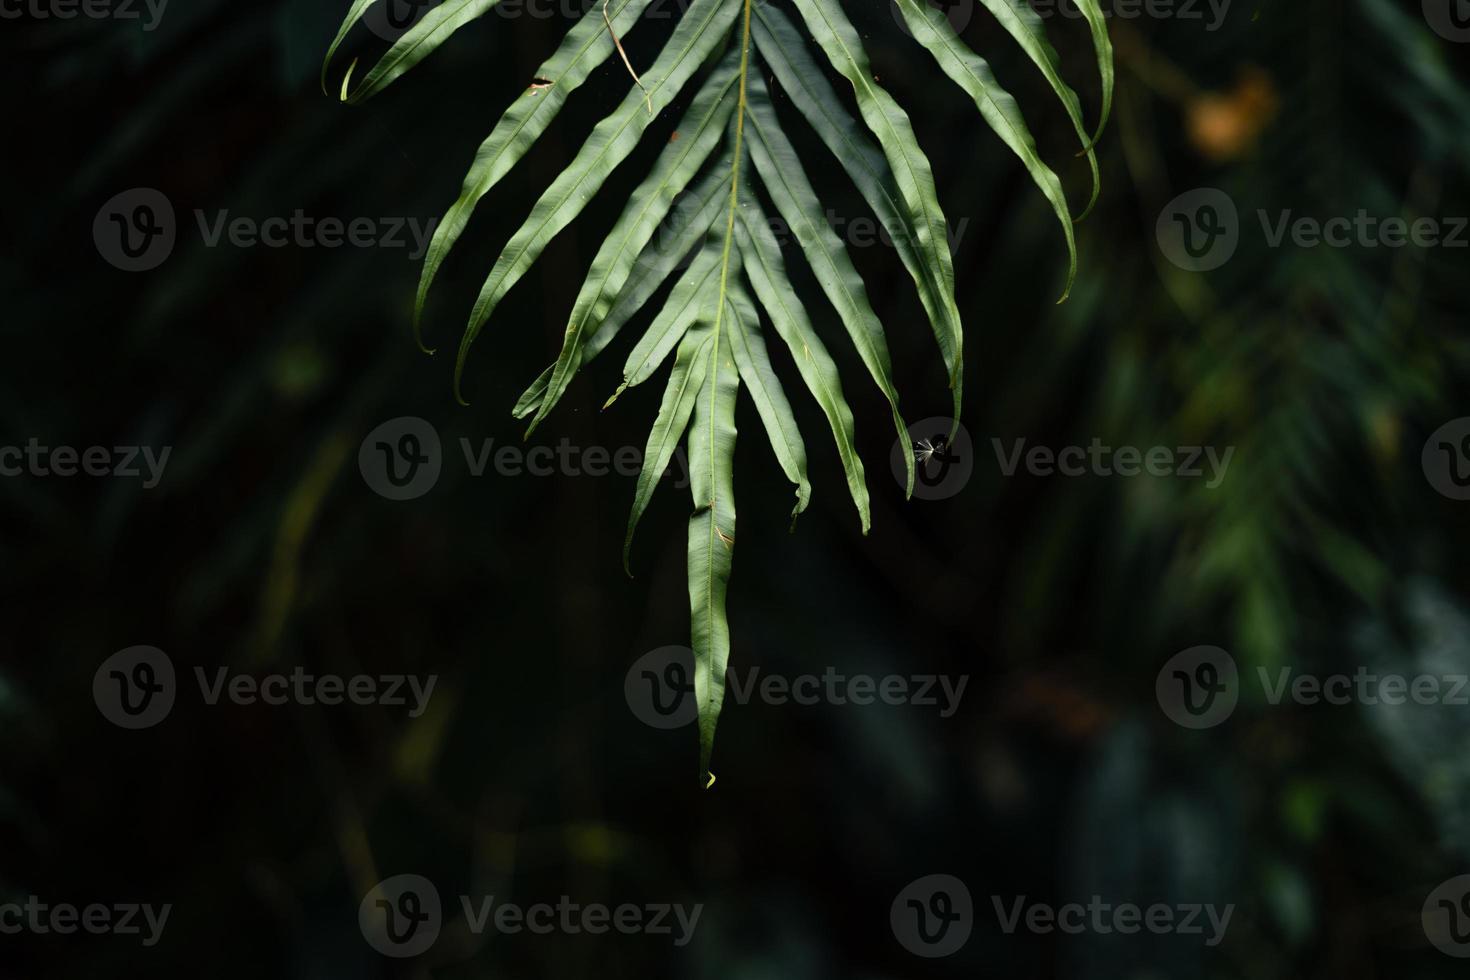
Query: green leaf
[[420, 41], [354, 14], [693, 296], [708, 316], [583, 49], [703, 27], [901, 193], [766, 271], [712, 535], [690, 220], [754, 365], [698, 133], [530, 399], [1102, 44], [1000, 111], [680, 394], [782, 175], [1026, 26]]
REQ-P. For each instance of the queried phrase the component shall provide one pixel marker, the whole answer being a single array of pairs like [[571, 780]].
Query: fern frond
[[998, 107], [785, 180], [912, 216], [700, 131], [699, 32], [711, 317], [583, 49]]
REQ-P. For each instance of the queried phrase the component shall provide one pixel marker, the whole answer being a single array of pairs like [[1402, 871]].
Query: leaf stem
[[734, 177], [714, 363]]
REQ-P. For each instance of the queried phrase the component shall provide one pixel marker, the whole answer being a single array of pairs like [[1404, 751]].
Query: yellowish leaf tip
[[347, 79]]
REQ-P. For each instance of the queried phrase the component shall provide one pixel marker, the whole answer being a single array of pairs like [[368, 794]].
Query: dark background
[[1059, 777]]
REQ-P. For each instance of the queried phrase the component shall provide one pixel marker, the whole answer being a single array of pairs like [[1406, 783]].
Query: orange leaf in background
[[1226, 126]]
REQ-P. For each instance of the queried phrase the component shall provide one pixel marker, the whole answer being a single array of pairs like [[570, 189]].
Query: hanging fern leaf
[[710, 321], [584, 48]]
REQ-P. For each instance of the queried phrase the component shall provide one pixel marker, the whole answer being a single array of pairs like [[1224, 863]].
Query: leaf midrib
[[622, 248]]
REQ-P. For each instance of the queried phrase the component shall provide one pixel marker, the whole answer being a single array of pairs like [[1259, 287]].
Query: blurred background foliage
[[1325, 547]]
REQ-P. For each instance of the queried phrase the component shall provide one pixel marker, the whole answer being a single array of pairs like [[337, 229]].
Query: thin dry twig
[[626, 63]]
